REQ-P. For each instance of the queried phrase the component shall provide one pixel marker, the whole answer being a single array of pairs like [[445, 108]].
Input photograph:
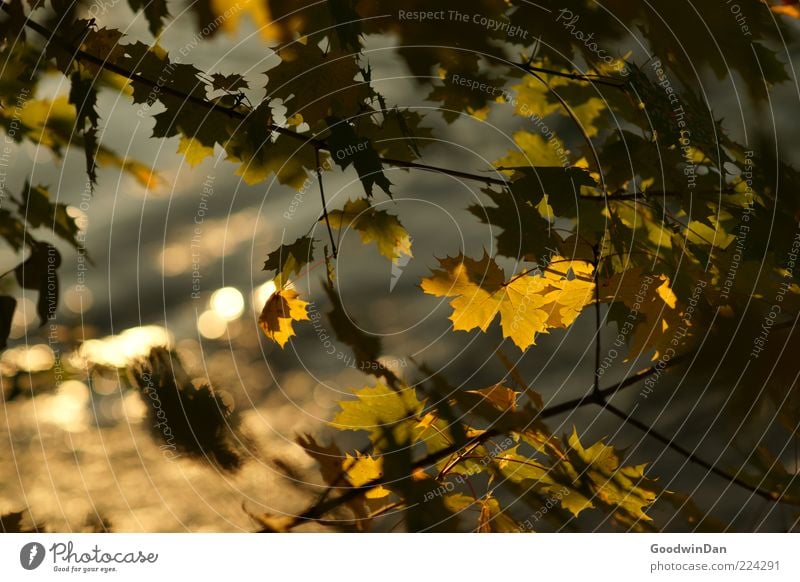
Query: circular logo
[[31, 555]]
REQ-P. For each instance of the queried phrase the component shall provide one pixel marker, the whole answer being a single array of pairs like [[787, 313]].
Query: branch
[[671, 444], [52, 37], [595, 79], [319, 509]]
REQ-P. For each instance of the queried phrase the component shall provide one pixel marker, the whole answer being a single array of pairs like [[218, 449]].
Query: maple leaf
[[340, 470], [40, 212], [499, 396], [335, 19], [527, 304], [83, 95], [624, 488], [525, 233], [457, 98], [651, 302], [363, 469], [374, 226], [554, 187], [490, 516], [314, 84], [281, 310], [399, 136], [534, 150], [193, 150], [347, 147], [380, 410], [536, 100], [286, 158], [230, 83], [289, 260]]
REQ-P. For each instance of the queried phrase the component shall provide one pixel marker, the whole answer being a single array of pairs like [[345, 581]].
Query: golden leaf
[[373, 225], [281, 310], [527, 304]]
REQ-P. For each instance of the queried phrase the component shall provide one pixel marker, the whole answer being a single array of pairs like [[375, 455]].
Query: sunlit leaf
[[527, 304], [373, 225], [280, 312]]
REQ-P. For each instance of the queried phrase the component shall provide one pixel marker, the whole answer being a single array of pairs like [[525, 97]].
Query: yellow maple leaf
[[622, 487], [193, 150], [382, 412], [282, 309], [527, 304], [362, 469], [373, 225]]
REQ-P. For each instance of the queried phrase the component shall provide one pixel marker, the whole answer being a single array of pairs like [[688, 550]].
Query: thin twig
[[324, 204]]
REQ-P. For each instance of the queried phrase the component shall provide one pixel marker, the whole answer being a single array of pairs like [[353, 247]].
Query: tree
[[625, 201]]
